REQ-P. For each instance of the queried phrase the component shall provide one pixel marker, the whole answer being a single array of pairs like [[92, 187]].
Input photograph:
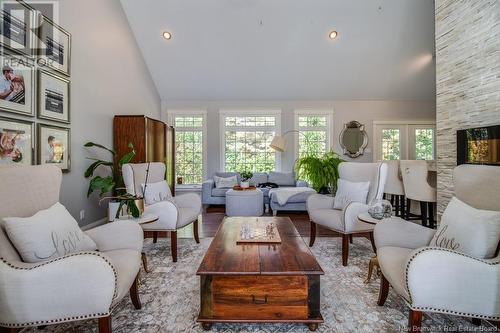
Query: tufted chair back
[[23, 192], [375, 173], [134, 175]]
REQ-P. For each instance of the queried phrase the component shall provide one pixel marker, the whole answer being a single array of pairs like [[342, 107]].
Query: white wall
[[108, 77], [344, 111]]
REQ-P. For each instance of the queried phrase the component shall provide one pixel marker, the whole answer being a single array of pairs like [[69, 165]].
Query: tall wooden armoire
[[153, 140]]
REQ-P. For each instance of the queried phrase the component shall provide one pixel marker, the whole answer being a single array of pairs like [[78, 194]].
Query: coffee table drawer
[[260, 297]]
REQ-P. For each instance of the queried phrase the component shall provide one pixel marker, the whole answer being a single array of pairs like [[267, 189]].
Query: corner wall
[[467, 77], [108, 77]]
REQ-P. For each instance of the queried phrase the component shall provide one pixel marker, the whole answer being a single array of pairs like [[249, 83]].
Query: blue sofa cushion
[[219, 192], [282, 178], [259, 178]]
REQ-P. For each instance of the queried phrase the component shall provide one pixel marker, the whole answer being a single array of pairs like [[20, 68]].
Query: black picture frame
[[41, 143], [21, 40], [32, 138], [53, 98], [54, 54]]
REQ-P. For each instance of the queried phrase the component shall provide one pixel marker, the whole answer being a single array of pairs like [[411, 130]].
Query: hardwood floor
[[210, 221]]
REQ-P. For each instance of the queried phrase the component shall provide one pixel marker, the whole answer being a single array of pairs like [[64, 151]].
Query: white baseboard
[[95, 224]]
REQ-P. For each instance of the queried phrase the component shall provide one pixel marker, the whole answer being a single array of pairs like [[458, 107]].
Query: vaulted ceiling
[[280, 50]]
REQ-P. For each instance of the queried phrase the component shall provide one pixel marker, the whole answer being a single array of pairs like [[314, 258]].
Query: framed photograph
[[17, 85], [17, 24], [54, 146], [54, 46], [53, 97], [16, 142]]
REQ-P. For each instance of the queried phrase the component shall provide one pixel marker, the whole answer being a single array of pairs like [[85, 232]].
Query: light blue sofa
[[217, 196]]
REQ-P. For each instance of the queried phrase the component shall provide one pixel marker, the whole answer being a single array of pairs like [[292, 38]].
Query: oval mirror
[[353, 139]]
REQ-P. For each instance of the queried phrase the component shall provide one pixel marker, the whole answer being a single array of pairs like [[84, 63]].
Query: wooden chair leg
[[423, 213], [173, 245], [9, 330], [312, 234], [195, 231], [403, 206], [408, 209], [372, 240], [384, 290], [155, 236], [104, 324], [431, 214], [134, 293], [415, 321], [144, 262], [345, 249], [351, 238], [476, 321], [397, 205]]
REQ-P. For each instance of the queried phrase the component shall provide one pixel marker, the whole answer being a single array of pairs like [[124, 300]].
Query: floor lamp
[[279, 142]]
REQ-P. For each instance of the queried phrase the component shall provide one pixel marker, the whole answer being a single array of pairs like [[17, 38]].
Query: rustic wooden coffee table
[[259, 283]]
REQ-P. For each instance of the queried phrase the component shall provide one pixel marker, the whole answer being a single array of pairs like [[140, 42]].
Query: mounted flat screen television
[[479, 145]]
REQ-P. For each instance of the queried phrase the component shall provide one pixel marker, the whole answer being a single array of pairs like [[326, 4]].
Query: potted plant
[[321, 172], [245, 177], [113, 183]]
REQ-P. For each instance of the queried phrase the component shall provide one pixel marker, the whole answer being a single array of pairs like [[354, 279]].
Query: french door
[[404, 141]]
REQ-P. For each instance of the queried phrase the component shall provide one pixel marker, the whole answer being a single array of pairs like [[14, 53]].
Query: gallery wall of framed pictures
[[35, 115]]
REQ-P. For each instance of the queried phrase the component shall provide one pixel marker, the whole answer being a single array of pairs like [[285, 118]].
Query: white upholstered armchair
[[173, 212], [345, 221], [436, 279], [74, 287]]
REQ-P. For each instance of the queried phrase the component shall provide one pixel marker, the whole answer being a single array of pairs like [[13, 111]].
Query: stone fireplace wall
[[467, 77]]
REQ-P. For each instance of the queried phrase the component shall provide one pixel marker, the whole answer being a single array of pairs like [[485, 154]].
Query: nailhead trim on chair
[[61, 320], [429, 248]]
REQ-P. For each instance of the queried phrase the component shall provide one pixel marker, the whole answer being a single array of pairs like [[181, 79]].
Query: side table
[[143, 219], [365, 217]]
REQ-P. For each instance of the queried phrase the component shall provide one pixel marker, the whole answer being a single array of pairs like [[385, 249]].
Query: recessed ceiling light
[[167, 35], [333, 34]]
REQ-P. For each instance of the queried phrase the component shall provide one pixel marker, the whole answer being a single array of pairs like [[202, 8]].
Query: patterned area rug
[[170, 297]]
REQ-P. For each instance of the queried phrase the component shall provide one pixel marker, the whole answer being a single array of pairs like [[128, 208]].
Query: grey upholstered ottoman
[[244, 203]]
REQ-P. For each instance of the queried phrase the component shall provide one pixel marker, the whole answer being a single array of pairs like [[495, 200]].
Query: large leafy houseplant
[[321, 172], [112, 183]]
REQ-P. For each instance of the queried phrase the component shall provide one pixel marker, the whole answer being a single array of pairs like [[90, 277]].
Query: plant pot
[[245, 184], [324, 190], [140, 205], [112, 210]]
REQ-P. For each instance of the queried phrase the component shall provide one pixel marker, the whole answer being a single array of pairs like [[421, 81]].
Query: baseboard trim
[[95, 224]]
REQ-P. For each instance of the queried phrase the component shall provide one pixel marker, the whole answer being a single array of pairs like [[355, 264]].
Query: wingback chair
[[414, 173], [74, 287], [434, 279], [174, 213], [394, 187], [345, 222]]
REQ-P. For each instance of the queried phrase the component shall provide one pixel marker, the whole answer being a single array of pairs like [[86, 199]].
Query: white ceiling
[[280, 50]]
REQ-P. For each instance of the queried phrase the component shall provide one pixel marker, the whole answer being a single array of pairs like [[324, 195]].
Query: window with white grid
[[189, 139], [313, 138], [246, 139]]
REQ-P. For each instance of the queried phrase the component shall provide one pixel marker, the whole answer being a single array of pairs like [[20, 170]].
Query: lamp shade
[[278, 143]]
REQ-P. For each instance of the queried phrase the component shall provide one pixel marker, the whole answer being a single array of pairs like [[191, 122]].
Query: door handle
[[259, 301]]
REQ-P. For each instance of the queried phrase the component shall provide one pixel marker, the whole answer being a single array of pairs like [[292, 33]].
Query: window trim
[[223, 113], [407, 125], [171, 114], [329, 113]]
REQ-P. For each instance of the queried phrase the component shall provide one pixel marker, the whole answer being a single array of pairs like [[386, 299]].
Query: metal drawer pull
[[261, 301]]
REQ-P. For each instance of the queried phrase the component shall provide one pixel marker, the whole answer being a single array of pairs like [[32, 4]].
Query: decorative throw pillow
[[156, 192], [229, 182], [468, 230], [49, 234], [282, 178], [350, 191]]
